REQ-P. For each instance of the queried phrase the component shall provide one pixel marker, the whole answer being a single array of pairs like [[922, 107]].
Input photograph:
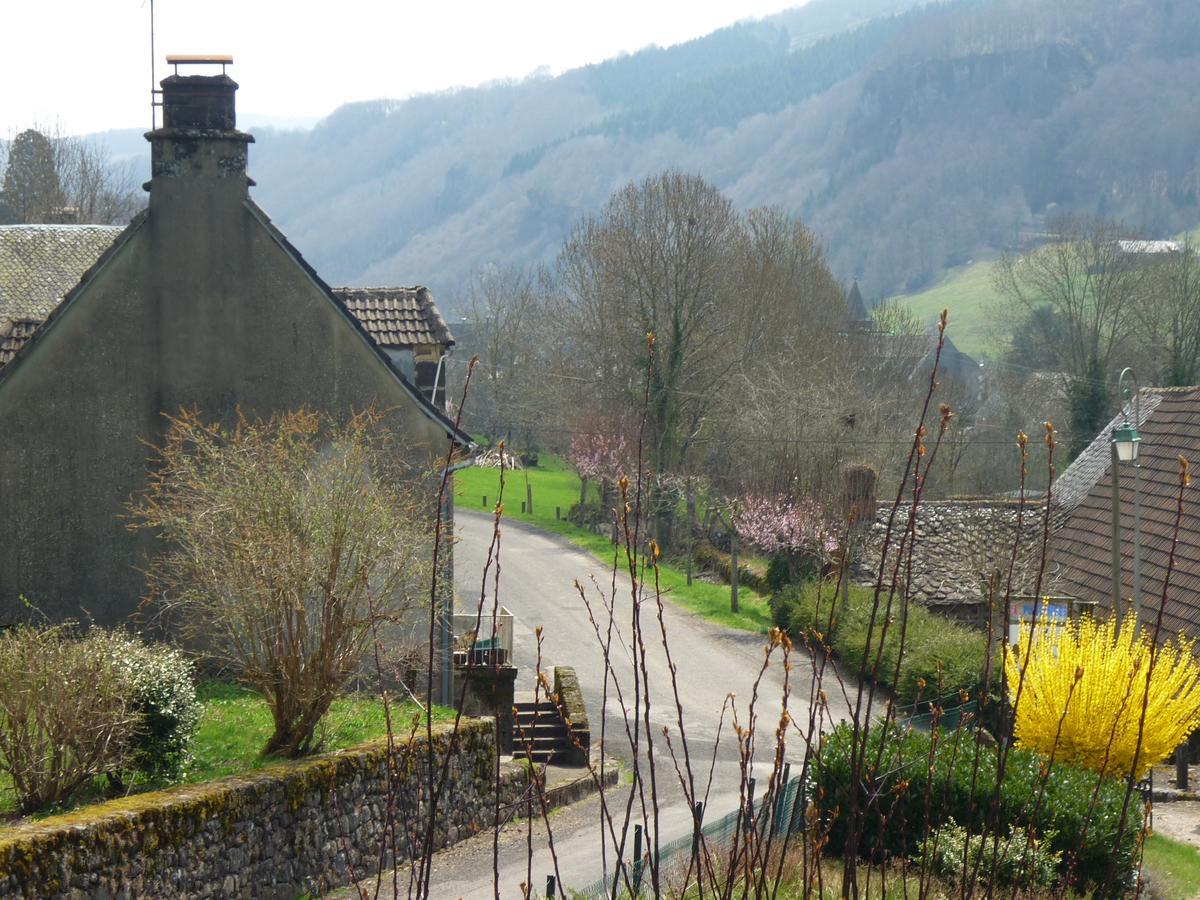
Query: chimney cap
[[199, 59]]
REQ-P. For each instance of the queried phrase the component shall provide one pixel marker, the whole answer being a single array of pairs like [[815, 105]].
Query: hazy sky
[[86, 63]]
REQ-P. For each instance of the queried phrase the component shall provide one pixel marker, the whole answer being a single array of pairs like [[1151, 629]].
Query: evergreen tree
[[1088, 401], [32, 190]]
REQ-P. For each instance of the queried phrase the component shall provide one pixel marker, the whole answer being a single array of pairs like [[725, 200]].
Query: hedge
[[1061, 817], [949, 657]]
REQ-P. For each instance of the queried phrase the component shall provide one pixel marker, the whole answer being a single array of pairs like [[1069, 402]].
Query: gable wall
[[180, 316]]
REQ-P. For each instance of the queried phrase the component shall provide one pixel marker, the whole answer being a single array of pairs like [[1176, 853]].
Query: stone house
[[200, 303], [958, 547]]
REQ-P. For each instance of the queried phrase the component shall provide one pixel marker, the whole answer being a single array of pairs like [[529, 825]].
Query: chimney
[[198, 144]]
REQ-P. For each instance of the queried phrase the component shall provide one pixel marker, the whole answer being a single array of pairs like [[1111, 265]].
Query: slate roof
[[958, 544], [1081, 550], [39, 264], [397, 317]]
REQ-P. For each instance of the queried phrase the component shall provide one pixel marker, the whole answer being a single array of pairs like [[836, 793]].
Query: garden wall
[[274, 833]]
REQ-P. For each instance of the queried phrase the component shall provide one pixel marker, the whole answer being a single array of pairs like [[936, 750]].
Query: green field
[[968, 293], [555, 488]]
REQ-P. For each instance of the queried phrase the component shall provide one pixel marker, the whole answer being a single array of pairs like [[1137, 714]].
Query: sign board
[[1055, 611]]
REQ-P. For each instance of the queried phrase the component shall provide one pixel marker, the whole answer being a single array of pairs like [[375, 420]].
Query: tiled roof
[[40, 263], [397, 317], [13, 336], [958, 544], [1082, 549], [1078, 479]]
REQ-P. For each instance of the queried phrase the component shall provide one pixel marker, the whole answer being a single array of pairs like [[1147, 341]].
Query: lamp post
[[1125, 444]]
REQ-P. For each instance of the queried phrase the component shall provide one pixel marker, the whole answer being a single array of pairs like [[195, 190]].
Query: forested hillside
[[912, 138]]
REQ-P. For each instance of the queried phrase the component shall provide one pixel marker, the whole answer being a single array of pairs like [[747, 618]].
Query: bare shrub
[[288, 541], [65, 713]]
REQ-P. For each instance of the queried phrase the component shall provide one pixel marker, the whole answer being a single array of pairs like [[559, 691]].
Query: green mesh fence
[[948, 720], [786, 815]]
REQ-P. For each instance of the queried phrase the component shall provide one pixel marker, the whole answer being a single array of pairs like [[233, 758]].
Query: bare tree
[[53, 177], [656, 260], [505, 332], [288, 543], [1090, 281], [1167, 317]]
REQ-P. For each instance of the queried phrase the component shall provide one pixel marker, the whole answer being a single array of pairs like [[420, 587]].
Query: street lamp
[[1125, 443]]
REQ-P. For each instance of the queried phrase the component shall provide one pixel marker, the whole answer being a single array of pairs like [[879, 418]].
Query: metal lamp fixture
[[1126, 440]]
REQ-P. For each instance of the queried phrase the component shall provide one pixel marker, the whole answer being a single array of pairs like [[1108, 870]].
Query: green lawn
[[1174, 869], [968, 293], [236, 723], [554, 484]]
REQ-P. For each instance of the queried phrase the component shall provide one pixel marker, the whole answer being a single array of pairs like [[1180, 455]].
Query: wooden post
[[691, 521], [733, 568], [1181, 766], [529, 497], [637, 860]]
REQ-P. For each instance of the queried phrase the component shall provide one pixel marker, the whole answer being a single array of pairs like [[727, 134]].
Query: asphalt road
[[538, 572]]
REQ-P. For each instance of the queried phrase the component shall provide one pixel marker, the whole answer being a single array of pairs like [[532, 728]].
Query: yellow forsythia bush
[[1097, 674]]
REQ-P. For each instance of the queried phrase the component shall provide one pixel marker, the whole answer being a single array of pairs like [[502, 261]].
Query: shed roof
[[1082, 550], [398, 316]]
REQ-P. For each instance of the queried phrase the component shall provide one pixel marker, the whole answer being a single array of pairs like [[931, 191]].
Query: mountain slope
[[911, 137]]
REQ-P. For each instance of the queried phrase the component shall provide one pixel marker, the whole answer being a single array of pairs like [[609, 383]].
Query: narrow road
[[714, 665]]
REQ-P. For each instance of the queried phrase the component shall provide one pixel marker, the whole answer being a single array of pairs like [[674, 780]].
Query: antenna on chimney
[[154, 91]]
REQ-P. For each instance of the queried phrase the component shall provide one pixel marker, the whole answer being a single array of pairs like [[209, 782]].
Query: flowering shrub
[[1018, 861], [777, 524], [163, 695], [1084, 690], [601, 452]]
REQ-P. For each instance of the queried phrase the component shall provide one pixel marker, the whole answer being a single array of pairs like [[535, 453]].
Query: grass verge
[[1173, 867], [555, 489]]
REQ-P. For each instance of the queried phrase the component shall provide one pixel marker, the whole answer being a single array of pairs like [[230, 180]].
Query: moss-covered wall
[[275, 832]]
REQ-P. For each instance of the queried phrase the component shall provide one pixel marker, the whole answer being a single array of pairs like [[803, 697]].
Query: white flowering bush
[[1017, 860], [163, 695]]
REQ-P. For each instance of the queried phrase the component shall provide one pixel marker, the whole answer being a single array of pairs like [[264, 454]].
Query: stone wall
[[273, 833]]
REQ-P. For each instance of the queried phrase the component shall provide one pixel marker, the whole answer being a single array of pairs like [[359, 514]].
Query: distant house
[[857, 317], [200, 303], [1081, 550]]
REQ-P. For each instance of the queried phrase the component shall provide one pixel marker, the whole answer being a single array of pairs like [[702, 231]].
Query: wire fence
[[787, 815], [949, 718]]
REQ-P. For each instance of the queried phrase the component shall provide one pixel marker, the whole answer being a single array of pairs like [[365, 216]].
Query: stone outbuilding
[[200, 303]]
